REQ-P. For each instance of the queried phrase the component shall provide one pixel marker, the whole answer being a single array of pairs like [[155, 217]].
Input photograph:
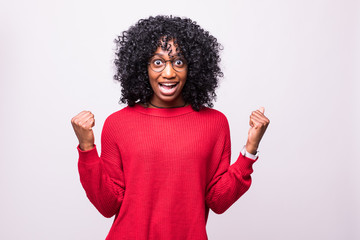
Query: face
[[168, 83]]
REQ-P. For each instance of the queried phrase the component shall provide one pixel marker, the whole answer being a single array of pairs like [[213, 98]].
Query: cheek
[[185, 73], [183, 77], [152, 77]]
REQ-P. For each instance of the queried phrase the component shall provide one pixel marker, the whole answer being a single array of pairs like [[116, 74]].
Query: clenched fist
[[82, 124], [258, 124]]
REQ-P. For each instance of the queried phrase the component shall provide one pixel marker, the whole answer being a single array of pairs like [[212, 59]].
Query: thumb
[[262, 110]]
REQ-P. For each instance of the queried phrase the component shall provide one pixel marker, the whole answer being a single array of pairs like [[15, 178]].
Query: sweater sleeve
[[228, 183], [102, 177]]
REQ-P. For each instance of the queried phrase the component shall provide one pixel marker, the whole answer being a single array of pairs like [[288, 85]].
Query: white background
[[298, 59]]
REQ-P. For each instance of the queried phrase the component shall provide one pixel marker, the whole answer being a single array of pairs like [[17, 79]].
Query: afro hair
[[137, 45]]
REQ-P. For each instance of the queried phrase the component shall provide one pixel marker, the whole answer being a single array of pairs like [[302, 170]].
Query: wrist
[[250, 148], [249, 155], [86, 146]]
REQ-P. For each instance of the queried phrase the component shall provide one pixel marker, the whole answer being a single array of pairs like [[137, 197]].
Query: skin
[[83, 124], [168, 75], [258, 125], [85, 121]]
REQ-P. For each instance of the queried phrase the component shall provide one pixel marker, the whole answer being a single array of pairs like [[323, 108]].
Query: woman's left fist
[[258, 124]]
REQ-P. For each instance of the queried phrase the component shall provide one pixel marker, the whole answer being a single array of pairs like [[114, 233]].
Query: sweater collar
[[163, 112]]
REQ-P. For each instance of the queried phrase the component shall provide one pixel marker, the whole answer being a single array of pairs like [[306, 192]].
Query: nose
[[168, 71]]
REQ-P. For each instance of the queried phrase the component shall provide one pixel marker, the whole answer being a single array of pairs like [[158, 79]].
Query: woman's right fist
[[82, 124]]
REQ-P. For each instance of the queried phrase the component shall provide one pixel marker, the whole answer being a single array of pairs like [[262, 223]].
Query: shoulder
[[119, 116], [214, 116], [213, 113]]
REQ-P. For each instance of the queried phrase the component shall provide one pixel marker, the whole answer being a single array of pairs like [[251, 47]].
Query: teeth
[[168, 84]]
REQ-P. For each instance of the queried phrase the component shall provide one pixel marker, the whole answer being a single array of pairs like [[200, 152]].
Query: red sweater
[[160, 171]]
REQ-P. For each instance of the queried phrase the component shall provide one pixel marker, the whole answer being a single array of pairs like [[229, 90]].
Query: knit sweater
[[161, 170]]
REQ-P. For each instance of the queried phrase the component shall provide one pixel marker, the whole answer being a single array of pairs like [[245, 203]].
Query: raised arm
[[229, 183], [101, 177]]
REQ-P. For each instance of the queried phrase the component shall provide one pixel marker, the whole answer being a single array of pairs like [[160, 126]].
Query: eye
[[179, 62], [157, 62]]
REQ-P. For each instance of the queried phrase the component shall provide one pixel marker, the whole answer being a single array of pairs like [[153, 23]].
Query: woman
[[165, 158]]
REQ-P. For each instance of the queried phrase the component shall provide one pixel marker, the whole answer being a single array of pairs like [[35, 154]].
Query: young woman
[[165, 158]]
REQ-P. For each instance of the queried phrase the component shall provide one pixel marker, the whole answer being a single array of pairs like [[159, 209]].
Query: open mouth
[[168, 85], [168, 88]]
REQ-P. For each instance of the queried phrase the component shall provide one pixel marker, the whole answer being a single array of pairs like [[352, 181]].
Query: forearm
[[231, 185], [104, 193]]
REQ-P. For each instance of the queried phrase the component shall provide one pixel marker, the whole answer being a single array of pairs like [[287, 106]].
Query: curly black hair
[[137, 45]]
